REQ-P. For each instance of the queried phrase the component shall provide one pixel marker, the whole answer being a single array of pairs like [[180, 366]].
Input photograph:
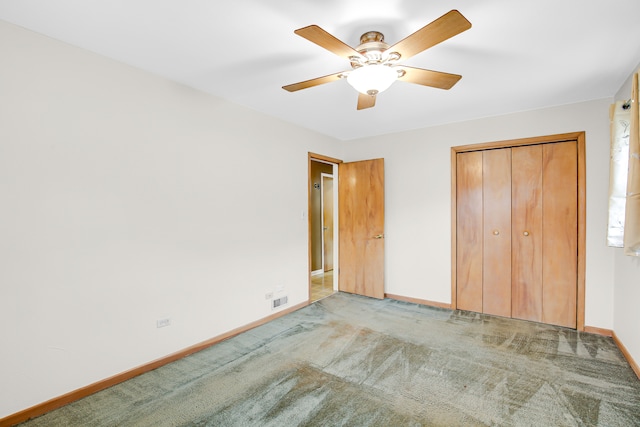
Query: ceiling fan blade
[[317, 35], [424, 77], [314, 82], [366, 101], [443, 28]]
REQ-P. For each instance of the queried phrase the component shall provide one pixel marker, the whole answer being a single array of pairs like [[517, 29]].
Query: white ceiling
[[519, 55]]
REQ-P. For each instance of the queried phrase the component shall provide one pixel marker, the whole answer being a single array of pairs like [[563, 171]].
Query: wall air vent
[[279, 302]]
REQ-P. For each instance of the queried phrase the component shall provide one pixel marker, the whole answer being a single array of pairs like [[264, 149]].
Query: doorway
[[322, 235], [327, 208], [356, 254]]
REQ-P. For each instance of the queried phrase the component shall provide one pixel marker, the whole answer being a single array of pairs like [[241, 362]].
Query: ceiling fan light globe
[[372, 78]]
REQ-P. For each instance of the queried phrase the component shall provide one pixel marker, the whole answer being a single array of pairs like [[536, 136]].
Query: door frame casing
[[579, 138]]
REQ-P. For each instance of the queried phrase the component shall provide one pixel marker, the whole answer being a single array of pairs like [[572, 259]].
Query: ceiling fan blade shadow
[[366, 101], [317, 35], [443, 28], [271, 67], [314, 82], [430, 78]]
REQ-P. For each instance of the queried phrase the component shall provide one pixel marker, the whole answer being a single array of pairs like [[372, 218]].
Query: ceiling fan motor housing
[[371, 46]]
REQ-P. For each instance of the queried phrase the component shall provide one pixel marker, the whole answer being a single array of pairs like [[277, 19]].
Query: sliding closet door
[[526, 265], [496, 265], [560, 233], [469, 231]]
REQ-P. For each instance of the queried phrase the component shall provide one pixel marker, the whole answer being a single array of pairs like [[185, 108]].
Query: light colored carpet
[[354, 361]]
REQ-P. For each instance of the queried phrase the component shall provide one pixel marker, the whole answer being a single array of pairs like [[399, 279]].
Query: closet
[[517, 231]]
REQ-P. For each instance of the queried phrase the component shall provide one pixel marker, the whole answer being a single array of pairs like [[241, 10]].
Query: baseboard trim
[[616, 340], [598, 331], [626, 355], [418, 301], [65, 399]]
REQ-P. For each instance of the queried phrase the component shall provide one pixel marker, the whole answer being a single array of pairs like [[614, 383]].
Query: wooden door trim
[[322, 158], [325, 159], [582, 228], [579, 138], [573, 136]]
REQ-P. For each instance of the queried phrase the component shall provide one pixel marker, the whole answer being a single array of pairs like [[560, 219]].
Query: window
[[624, 183]]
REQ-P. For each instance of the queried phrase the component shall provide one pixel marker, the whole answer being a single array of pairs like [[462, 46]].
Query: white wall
[[127, 198], [627, 281], [418, 197]]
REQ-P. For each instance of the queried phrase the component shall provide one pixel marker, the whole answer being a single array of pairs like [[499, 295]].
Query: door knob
[[378, 236], [526, 233], [496, 232]]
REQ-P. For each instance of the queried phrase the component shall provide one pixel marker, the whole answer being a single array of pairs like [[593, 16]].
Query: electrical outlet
[[161, 323]]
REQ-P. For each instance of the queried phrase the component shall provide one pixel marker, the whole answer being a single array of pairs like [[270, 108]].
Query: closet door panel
[[496, 182], [526, 196], [560, 233], [469, 231]]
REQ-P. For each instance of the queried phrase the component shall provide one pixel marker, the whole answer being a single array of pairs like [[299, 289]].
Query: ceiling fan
[[374, 62]]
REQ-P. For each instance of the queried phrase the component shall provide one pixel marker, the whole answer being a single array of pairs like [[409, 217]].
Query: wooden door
[[361, 227], [327, 222], [517, 232], [496, 252], [484, 231], [526, 267], [545, 233], [469, 232], [559, 233]]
